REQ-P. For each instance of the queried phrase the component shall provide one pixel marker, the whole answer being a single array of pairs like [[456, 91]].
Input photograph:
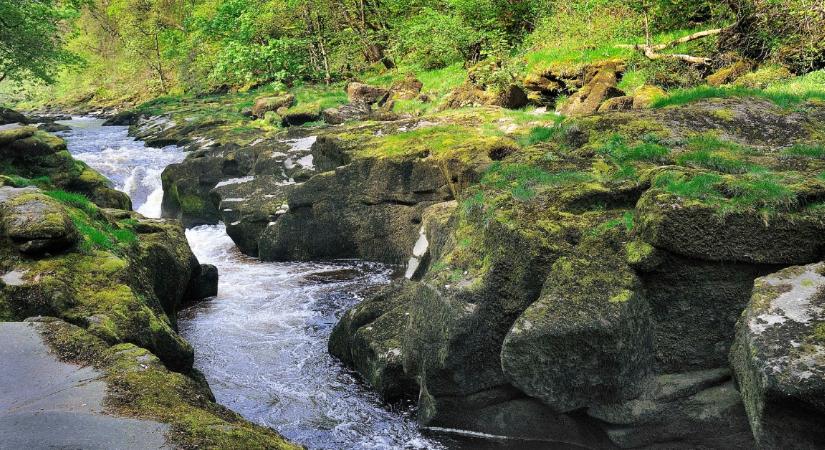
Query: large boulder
[[8, 116], [599, 85], [587, 339], [369, 208], [300, 114], [343, 113], [369, 339], [407, 88], [35, 222], [123, 118], [266, 104], [778, 358], [364, 93]]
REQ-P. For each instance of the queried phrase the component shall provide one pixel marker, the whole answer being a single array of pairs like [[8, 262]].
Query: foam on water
[[262, 344], [133, 168]]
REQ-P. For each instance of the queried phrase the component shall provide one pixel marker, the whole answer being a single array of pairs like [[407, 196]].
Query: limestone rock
[[52, 127], [599, 85], [700, 409], [367, 209], [643, 97], [300, 114], [512, 97], [31, 153], [203, 283], [265, 104], [343, 113], [729, 73], [696, 230], [364, 93], [369, 339], [622, 103], [587, 339], [778, 358], [123, 118], [406, 88], [35, 222]]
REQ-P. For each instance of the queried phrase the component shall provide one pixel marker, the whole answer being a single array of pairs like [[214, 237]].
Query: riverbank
[[108, 284]]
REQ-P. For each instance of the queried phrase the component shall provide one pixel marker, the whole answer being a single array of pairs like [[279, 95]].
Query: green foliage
[[790, 32], [32, 33]]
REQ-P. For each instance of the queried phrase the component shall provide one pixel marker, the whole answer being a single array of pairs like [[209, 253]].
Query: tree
[[32, 34]]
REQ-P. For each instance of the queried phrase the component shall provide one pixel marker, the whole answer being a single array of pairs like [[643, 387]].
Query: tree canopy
[[32, 36]]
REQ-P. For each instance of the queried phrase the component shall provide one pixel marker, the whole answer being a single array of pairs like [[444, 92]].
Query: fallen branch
[[652, 51]]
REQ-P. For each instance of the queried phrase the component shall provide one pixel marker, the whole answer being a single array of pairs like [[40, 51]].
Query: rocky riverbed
[[585, 288]]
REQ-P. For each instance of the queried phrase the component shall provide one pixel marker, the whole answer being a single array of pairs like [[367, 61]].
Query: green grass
[[647, 150], [702, 186], [101, 235], [713, 161], [18, 181], [763, 191], [815, 151], [784, 99], [78, 201], [325, 96], [709, 152], [627, 220], [522, 179]]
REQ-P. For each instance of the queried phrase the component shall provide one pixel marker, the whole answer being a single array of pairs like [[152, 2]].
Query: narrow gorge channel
[[262, 342]]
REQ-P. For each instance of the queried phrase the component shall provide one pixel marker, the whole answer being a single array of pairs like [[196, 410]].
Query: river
[[262, 342]]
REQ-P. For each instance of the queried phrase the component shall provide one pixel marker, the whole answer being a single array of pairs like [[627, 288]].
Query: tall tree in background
[[32, 34]]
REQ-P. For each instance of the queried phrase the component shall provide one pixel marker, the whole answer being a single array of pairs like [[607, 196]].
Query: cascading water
[[133, 168], [262, 341]]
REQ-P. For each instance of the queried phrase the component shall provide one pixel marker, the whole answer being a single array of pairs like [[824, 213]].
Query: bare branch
[[651, 51]]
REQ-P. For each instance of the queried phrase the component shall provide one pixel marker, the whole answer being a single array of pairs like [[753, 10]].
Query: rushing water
[[262, 342]]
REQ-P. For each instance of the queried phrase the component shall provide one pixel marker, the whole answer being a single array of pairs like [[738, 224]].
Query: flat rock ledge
[[48, 403]]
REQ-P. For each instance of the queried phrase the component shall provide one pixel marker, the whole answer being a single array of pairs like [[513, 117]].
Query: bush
[[790, 32], [434, 40]]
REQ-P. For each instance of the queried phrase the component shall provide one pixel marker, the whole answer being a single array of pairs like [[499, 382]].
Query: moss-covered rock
[[34, 222], [139, 385], [266, 104], [123, 280], [587, 338], [599, 85], [32, 154], [300, 114], [778, 358], [698, 229]]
